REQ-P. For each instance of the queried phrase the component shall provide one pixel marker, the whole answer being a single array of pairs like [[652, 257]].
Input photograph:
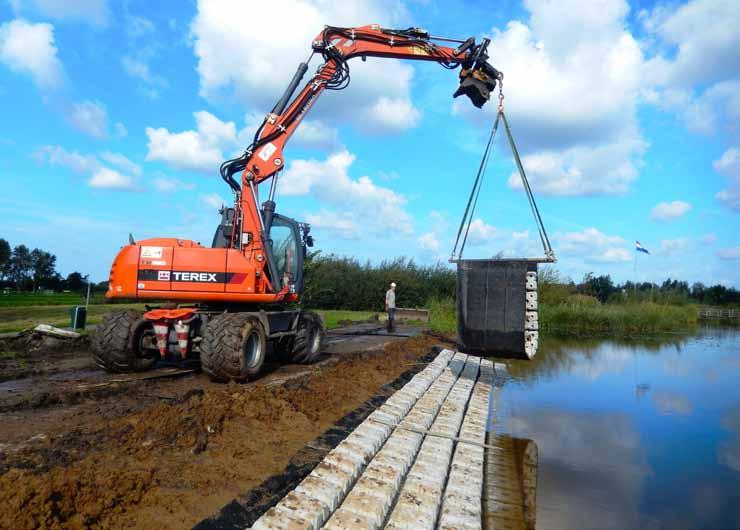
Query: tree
[[75, 281], [4, 258], [600, 287], [44, 268], [20, 266]]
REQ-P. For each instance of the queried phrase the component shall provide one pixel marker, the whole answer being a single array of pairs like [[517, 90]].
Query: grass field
[[588, 318], [69, 299], [24, 316], [27, 311]]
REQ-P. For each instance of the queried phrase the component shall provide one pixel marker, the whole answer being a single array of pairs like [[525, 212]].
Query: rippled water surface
[[631, 434]]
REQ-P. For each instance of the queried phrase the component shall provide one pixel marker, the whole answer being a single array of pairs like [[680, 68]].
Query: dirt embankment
[[179, 459], [33, 353]]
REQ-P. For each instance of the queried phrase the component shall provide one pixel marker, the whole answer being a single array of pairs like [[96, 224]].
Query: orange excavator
[[225, 303]]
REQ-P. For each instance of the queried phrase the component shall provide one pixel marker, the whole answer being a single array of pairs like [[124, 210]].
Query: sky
[[117, 115]]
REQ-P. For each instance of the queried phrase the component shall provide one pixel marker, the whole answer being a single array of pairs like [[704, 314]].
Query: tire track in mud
[[171, 463]]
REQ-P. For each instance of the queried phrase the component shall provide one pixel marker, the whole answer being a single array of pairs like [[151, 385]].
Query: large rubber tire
[[116, 343], [308, 340], [233, 348]]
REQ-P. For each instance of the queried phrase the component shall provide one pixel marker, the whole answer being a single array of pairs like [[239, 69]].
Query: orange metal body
[[185, 271]]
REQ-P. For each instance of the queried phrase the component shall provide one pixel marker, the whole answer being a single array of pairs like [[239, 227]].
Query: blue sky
[[116, 116]]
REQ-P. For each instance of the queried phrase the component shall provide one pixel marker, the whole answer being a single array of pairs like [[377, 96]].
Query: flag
[[640, 248]]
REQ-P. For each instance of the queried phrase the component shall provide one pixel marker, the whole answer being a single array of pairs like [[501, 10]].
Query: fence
[[713, 312]]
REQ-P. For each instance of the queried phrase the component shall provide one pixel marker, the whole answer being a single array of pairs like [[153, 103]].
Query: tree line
[[556, 289], [333, 282], [23, 269]]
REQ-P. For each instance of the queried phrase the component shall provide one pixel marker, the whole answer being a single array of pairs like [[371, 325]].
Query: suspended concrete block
[[497, 307]]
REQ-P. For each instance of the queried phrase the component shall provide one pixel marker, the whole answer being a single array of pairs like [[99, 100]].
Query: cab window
[[285, 251]]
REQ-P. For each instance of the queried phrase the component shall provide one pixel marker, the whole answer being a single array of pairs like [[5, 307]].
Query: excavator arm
[[263, 159]]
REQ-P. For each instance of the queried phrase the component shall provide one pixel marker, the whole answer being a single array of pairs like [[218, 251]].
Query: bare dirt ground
[[83, 449]]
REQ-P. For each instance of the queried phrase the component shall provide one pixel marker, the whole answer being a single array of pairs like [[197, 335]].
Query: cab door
[[287, 252]]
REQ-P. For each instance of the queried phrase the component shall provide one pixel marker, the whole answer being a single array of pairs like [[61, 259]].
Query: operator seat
[[223, 231]]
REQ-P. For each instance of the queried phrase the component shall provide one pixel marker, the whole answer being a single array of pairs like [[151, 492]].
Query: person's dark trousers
[[391, 319]]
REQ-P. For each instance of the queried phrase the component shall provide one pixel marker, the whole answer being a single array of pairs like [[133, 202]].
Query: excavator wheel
[[234, 347], [118, 343], [308, 340]]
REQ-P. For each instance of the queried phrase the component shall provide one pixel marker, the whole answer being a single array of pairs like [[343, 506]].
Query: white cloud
[[137, 27], [702, 54], [481, 233], [391, 115], [572, 86], [668, 402], [429, 242], [137, 67], [674, 246], [94, 12], [107, 178], [256, 67], [729, 254], [729, 165], [29, 48], [339, 225], [90, 117], [201, 150], [123, 178], [168, 185], [696, 56], [592, 244], [142, 49], [372, 207], [56, 155], [120, 129], [122, 162], [213, 200], [719, 103], [314, 134], [667, 211], [614, 255]]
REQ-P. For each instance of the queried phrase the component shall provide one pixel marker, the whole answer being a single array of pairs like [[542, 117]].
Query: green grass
[[29, 316], [586, 316], [31, 299], [442, 315], [332, 317], [638, 317]]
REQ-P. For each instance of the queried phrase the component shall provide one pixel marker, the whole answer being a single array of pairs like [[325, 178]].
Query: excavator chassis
[[231, 344]]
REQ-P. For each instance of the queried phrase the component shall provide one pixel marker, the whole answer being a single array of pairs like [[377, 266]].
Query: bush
[[582, 300], [333, 282], [442, 315]]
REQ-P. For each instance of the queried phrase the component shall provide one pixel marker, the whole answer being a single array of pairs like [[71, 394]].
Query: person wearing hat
[[390, 306]]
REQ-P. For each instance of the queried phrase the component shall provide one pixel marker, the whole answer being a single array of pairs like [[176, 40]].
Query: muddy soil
[[167, 453], [31, 353]]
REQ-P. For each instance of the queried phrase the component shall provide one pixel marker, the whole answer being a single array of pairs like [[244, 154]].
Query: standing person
[[390, 307]]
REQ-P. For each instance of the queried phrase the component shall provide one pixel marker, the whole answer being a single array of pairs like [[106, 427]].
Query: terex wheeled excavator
[[226, 302]]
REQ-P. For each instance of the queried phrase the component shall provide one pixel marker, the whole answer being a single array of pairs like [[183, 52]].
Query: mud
[[168, 453], [32, 353]]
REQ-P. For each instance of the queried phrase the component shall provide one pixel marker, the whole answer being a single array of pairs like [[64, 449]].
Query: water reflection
[[637, 433], [729, 452]]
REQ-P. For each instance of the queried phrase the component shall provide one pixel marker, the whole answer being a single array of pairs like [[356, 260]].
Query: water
[[631, 434]]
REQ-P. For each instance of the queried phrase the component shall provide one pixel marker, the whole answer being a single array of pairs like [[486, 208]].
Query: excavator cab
[[288, 251]]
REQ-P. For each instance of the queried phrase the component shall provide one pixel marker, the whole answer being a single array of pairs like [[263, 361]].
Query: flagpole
[[634, 273]]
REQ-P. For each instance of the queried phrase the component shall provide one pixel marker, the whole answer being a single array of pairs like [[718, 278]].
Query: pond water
[[640, 433]]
